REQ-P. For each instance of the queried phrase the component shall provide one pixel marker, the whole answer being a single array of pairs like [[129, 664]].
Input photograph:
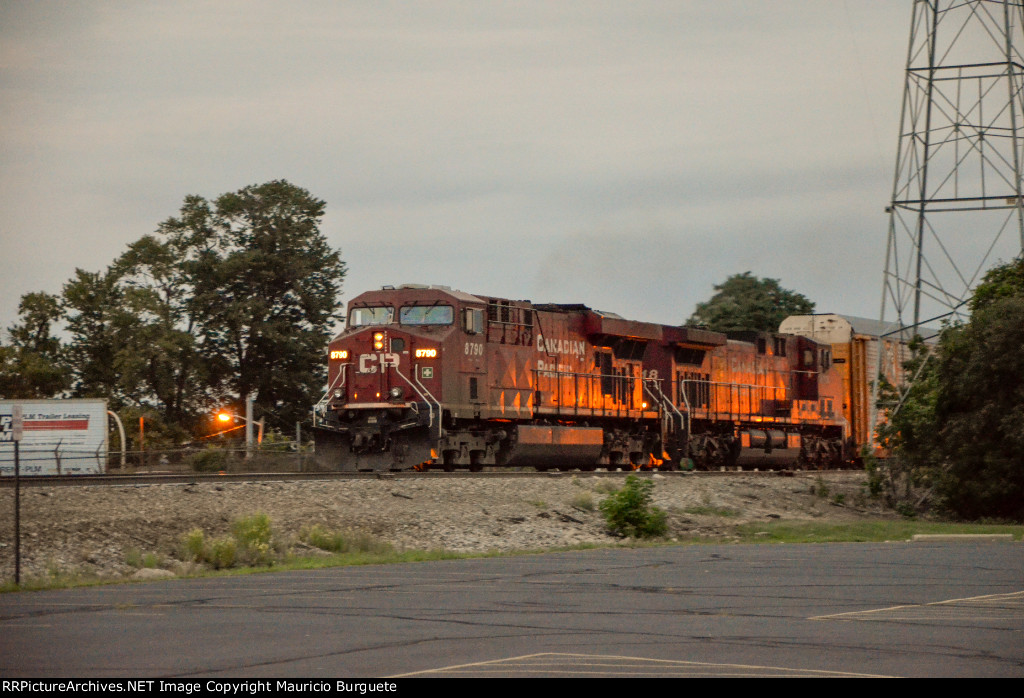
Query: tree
[[158, 360], [264, 293], [960, 427], [745, 302], [979, 403], [33, 365], [232, 297], [97, 319]]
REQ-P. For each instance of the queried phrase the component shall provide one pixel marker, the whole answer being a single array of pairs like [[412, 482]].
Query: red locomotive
[[429, 377]]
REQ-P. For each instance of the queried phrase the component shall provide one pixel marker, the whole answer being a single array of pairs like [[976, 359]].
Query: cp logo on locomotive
[[368, 362]]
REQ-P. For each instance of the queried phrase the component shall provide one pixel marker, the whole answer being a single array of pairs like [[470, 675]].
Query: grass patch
[[134, 557], [606, 486], [860, 532], [343, 542], [708, 510], [583, 501]]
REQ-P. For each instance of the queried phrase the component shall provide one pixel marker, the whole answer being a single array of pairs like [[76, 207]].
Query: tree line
[[958, 432], [238, 296], [231, 297]]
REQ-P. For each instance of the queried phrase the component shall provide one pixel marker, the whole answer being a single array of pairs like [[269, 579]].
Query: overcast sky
[[624, 155]]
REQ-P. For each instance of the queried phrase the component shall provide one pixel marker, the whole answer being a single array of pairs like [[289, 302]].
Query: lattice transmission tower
[[956, 204]]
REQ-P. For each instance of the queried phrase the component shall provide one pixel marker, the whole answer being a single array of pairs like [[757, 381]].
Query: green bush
[[362, 542], [821, 489], [194, 545], [583, 501], [253, 535], [209, 461], [251, 543], [628, 512], [343, 542], [133, 557], [325, 539], [221, 554]]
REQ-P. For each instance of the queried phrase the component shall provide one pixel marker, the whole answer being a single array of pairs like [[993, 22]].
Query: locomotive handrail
[[712, 399], [660, 397], [668, 409], [590, 378], [440, 411], [426, 395], [321, 406]]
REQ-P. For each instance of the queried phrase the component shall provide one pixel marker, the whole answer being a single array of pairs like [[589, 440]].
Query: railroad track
[[188, 478]]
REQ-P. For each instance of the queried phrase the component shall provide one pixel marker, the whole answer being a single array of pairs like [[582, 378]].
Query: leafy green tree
[[745, 302], [32, 365], [158, 361], [231, 297], [264, 293], [960, 427], [979, 403], [97, 319], [908, 431]]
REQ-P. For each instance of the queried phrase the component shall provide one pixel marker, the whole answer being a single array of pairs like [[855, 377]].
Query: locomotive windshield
[[377, 315], [426, 315]]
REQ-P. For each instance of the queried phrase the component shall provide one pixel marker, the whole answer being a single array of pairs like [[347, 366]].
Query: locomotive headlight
[[337, 393], [378, 340], [395, 393]]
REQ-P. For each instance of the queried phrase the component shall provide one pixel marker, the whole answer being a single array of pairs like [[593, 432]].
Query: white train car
[[855, 345]]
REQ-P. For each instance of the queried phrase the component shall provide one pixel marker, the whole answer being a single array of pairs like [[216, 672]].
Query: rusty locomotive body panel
[[428, 377]]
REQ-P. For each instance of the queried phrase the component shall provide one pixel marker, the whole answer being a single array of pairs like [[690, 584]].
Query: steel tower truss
[[956, 205]]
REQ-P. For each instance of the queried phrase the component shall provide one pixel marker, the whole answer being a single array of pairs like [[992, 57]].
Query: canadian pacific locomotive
[[429, 377]]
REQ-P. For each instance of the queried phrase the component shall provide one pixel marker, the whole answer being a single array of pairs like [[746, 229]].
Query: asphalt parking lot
[[889, 609]]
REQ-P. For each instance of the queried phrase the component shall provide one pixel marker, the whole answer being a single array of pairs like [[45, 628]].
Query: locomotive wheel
[[448, 464]]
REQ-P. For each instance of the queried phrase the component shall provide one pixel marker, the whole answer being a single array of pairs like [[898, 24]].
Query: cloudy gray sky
[[625, 155]]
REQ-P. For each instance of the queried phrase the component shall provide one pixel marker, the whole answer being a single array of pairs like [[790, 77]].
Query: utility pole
[[250, 399], [17, 430]]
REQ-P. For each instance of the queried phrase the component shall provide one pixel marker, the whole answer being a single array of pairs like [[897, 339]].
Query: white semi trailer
[[59, 437]]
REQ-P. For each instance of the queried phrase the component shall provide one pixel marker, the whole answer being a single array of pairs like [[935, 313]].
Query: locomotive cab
[[385, 375]]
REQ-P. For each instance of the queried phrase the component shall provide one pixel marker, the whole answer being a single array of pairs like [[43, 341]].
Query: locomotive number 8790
[[429, 377]]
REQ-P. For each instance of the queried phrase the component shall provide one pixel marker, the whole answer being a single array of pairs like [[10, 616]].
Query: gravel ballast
[[96, 530]]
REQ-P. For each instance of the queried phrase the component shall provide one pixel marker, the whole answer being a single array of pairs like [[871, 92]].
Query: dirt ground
[[103, 531]]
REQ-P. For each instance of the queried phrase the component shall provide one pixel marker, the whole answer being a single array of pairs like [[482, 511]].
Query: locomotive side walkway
[[892, 609]]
